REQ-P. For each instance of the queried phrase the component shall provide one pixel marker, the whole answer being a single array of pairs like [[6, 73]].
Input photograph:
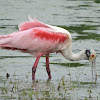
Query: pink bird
[[38, 39]]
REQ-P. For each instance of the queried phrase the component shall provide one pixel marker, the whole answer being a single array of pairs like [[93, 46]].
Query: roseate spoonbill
[[38, 39]]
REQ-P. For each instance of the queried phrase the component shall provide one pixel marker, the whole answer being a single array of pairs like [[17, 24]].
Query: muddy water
[[70, 80]]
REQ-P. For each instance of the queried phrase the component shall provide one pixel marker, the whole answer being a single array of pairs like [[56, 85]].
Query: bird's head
[[91, 56]]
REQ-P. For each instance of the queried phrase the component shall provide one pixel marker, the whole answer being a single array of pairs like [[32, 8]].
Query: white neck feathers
[[67, 53]]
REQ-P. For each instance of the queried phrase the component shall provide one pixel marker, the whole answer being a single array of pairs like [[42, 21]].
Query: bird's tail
[[4, 40]]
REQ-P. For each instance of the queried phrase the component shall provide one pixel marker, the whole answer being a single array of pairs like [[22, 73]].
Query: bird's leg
[[34, 68], [47, 66]]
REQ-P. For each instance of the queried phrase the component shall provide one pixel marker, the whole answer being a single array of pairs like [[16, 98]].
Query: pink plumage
[[31, 24], [38, 39]]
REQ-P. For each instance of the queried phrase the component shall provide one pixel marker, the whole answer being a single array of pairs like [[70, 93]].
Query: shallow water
[[70, 80]]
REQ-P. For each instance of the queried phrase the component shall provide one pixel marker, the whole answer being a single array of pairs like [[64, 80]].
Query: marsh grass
[[19, 89]]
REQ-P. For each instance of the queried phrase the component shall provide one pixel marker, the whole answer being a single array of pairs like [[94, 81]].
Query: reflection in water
[[43, 89]]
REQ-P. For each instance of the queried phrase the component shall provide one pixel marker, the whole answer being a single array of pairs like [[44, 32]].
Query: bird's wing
[[31, 24], [36, 40]]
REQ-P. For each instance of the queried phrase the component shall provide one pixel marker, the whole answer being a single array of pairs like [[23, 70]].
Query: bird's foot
[[49, 73], [49, 76], [33, 73], [33, 76]]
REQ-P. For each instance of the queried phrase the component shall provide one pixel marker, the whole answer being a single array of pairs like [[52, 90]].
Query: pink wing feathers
[[36, 41], [35, 38], [31, 24]]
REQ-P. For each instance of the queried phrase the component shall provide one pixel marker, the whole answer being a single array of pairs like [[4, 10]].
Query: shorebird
[[38, 39]]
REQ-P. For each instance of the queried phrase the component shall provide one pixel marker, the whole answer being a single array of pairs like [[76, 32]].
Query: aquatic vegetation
[[15, 88], [97, 39], [20, 87]]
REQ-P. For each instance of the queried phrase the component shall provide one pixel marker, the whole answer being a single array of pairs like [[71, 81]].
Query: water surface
[[70, 80]]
